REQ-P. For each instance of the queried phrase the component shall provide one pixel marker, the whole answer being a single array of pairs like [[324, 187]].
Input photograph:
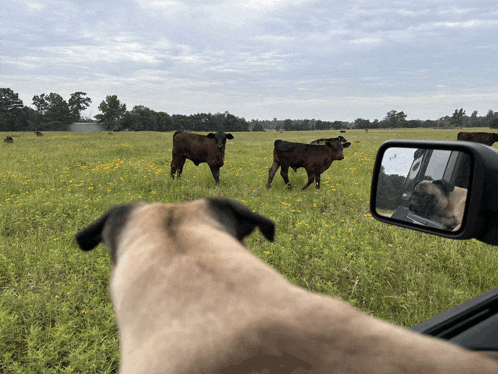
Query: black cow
[[487, 138], [314, 158], [8, 139], [199, 148], [340, 139]]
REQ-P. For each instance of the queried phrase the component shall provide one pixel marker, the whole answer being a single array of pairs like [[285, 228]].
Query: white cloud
[[316, 59], [271, 4], [163, 6]]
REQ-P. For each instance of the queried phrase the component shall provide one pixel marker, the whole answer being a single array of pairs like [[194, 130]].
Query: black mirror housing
[[480, 216]]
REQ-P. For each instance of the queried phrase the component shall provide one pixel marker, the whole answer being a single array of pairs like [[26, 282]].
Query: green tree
[[164, 122], [361, 123], [395, 119], [258, 126], [337, 125], [58, 114], [52, 112], [40, 104], [179, 122], [389, 190], [493, 123], [474, 120], [77, 104], [320, 125], [457, 118], [112, 112], [489, 117], [145, 119], [10, 110], [288, 125]]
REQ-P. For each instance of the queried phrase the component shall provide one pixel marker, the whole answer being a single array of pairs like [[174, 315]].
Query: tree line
[[53, 113]]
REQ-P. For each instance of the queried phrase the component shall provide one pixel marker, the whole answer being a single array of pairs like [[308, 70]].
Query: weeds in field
[[55, 312]]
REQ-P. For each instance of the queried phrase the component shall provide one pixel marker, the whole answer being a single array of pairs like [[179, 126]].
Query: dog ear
[[239, 220], [91, 236], [114, 220], [444, 185]]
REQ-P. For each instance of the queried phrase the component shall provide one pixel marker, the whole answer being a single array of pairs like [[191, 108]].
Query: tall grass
[[55, 312]]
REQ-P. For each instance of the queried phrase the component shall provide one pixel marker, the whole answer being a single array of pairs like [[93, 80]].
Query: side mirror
[[444, 188]]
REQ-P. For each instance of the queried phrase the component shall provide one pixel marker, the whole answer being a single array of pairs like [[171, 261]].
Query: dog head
[[430, 198], [224, 214]]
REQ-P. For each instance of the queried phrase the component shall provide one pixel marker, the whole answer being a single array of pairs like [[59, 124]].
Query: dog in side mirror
[[440, 201], [190, 298]]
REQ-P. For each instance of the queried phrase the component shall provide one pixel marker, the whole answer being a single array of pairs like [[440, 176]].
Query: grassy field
[[55, 311]]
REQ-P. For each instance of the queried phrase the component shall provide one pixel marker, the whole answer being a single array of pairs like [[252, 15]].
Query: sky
[[257, 59]]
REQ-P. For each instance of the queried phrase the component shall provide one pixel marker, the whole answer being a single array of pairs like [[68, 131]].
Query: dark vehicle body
[[473, 166]]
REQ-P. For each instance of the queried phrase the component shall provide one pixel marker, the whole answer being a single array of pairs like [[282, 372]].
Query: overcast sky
[[258, 59]]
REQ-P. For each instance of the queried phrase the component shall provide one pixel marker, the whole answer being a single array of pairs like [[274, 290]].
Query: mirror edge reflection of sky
[[398, 160]]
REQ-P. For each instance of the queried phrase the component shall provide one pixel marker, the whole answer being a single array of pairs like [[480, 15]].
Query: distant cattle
[[38, 133], [340, 139], [343, 131], [8, 139], [314, 158], [487, 138], [198, 149]]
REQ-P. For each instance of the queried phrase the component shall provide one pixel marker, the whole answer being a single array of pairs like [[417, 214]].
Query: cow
[[208, 148], [340, 139], [38, 133], [314, 158], [487, 138], [8, 139]]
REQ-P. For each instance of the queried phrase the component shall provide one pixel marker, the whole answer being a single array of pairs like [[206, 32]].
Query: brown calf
[[314, 158], [208, 148], [487, 138]]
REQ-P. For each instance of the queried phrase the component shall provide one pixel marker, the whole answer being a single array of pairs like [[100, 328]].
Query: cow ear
[[239, 220], [346, 145], [211, 135], [229, 136]]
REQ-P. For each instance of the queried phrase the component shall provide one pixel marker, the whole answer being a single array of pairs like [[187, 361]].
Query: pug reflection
[[439, 201]]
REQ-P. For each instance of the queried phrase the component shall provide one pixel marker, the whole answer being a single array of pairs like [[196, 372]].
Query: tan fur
[[456, 206], [190, 298], [449, 209]]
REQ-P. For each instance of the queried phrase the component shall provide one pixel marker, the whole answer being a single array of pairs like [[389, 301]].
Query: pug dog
[[440, 201]]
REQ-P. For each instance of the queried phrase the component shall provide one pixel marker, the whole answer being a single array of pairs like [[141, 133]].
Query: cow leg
[[272, 172], [317, 181], [215, 170], [311, 178], [284, 172], [177, 166], [173, 167]]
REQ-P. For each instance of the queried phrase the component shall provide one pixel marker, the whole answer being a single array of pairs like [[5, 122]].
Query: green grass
[[55, 311]]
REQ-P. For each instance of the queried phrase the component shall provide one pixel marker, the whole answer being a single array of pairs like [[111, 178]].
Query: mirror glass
[[424, 186]]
